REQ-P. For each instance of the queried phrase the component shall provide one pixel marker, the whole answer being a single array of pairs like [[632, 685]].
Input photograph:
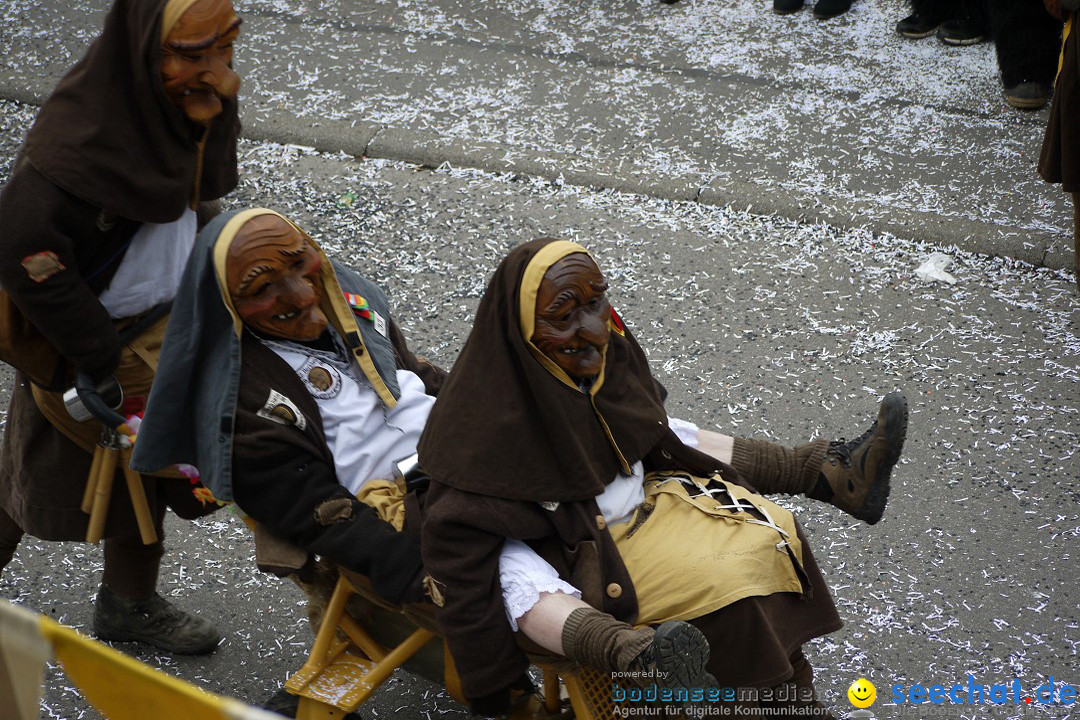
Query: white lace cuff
[[524, 575]]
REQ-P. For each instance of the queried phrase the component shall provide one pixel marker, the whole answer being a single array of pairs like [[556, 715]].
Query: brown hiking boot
[[155, 622], [676, 657], [855, 474]]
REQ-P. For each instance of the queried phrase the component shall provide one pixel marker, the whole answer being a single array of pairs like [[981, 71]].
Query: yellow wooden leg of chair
[[552, 691], [138, 501], [102, 490], [92, 478], [341, 674], [451, 679]]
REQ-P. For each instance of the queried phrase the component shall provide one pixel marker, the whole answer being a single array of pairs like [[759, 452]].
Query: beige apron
[[689, 556]]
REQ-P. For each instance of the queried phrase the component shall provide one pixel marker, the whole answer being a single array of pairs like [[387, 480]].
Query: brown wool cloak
[[506, 426], [1059, 161], [510, 430], [106, 152], [109, 135]]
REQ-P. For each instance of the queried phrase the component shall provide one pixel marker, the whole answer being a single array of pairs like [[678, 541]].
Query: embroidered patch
[[322, 380], [359, 305], [42, 266], [550, 505], [282, 410]]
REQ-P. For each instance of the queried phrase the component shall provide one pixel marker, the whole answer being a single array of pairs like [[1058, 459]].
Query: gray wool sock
[[774, 468], [596, 640]]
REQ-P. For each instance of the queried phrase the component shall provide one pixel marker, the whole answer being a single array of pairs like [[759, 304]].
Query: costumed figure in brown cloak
[[96, 223], [1060, 158], [550, 436]]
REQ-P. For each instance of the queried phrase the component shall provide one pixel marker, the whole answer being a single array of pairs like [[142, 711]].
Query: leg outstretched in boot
[[855, 476]]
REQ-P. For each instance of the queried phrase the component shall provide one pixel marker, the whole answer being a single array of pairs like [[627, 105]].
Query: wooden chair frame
[[346, 665]]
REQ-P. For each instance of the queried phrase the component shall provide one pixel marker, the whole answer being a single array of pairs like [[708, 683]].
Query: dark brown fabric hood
[[109, 135], [505, 425]]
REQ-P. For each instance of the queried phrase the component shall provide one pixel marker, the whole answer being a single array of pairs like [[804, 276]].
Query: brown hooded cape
[[109, 135], [1059, 161], [107, 152], [510, 431]]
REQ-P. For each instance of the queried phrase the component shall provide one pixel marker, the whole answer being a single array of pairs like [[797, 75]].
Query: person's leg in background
[[1027, 39]]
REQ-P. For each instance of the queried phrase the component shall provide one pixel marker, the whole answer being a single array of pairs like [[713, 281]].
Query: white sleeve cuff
[[686, 431], [524, 575]]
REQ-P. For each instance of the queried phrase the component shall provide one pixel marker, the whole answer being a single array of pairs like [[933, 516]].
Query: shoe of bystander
[[153, 621], [783, 7], [916, 26], [1028, 95], [825, 9], [962, 31]]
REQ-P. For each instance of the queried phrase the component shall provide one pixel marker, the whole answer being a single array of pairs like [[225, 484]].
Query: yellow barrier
[[120, 687]]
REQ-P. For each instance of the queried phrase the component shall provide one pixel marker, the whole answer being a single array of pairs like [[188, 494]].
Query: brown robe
[[1060, 158], [507, 434], [107, 152]]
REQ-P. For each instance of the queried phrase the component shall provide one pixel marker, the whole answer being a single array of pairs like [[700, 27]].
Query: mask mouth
[[200, 89], [582, 349], [287, 316]]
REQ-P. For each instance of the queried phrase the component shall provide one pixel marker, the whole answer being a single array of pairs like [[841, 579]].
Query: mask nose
[[594, 329], [301, 292], [221, 77]]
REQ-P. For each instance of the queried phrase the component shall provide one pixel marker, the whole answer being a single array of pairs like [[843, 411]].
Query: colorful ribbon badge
[[359, 305]]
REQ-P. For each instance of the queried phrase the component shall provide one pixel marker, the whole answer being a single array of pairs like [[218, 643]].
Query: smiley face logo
[[862, 693]]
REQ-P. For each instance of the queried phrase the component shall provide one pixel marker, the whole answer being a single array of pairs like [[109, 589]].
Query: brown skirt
[[754, 639], [1059, 161]]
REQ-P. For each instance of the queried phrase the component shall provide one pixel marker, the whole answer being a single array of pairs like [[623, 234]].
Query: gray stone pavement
[[758, 326], [757, 323], [718, 101]]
